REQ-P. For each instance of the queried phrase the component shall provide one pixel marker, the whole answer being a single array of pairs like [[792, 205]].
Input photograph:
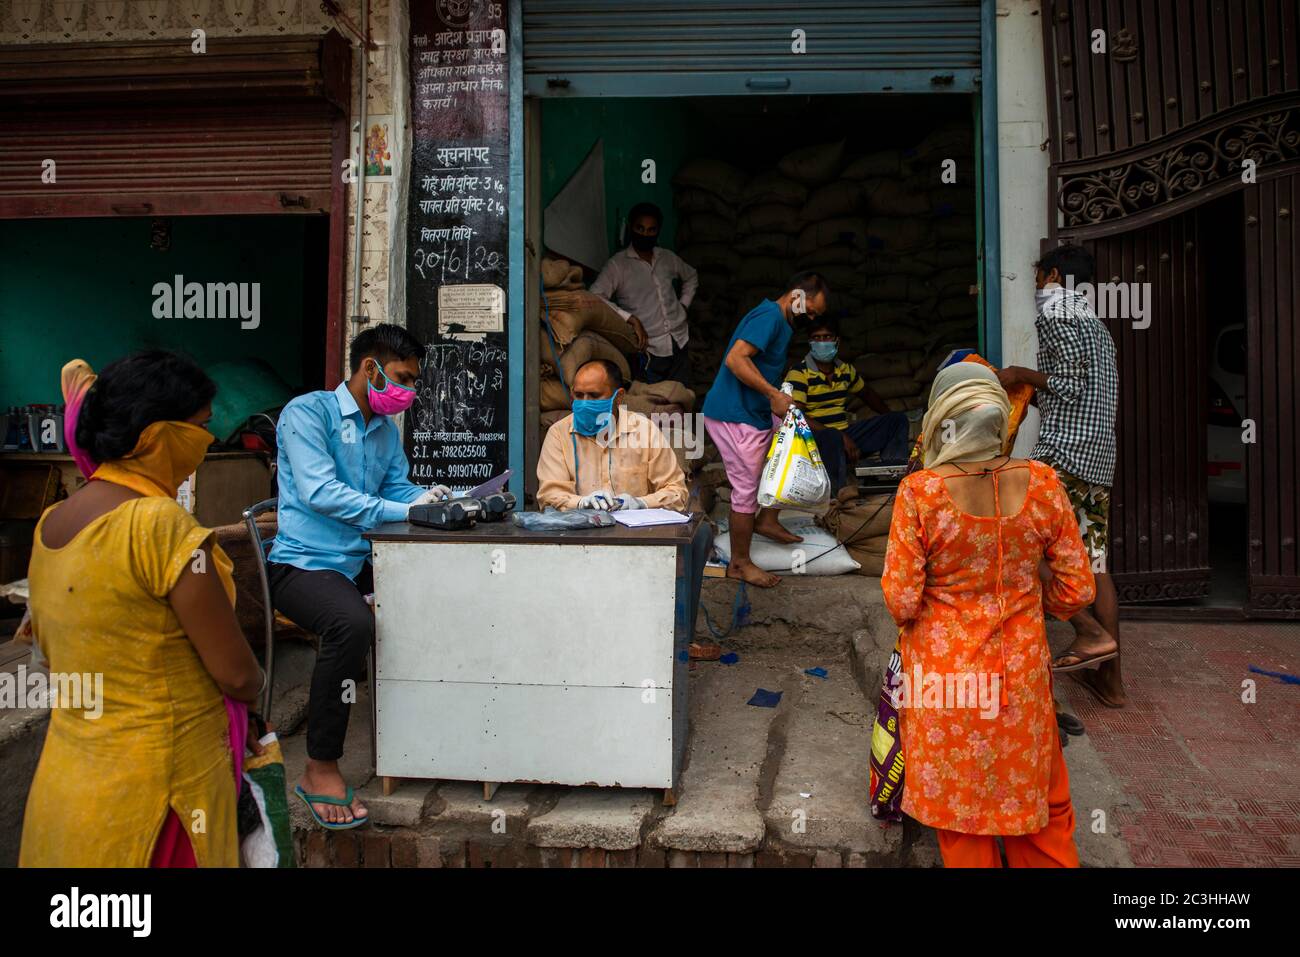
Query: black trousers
[[676, 366], [333, 607]]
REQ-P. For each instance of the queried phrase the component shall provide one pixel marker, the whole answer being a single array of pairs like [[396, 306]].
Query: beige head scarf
[[967, 417]]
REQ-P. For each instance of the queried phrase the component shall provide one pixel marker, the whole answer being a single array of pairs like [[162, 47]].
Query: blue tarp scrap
[[730, 658], [815, 672], [765, 699]]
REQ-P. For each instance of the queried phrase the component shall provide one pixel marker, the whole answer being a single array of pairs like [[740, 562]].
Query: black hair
[[611, 369], [1073, 262], [133, 393], [810, 281], [644, 209], [827, 322], [384, 343]]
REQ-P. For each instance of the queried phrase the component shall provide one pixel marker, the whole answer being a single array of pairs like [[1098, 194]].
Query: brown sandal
[[1085, 661]]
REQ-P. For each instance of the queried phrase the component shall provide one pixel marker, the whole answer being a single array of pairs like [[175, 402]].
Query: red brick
[[712, 859], [428, 851], [683, 859], [347, 853], [406, 852], [377, 850], [474, 855], [591, 857], [625, 858], [768, 859], [828, 859], [318, 854], [651, 857]]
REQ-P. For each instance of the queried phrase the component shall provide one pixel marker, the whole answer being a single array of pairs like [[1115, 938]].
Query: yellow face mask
[[164, 456]]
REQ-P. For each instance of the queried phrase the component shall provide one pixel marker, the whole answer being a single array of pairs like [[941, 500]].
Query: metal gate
[[1273, 336], [1160, 510], [731, 47]]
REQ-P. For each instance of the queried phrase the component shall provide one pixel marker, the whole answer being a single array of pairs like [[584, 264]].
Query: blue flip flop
[[310, 799]]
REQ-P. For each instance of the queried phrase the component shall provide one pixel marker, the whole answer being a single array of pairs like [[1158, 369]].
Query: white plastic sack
[[793, 475], [818, 554]]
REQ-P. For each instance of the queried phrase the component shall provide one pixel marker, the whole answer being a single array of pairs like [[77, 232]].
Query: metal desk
[[557, 657]]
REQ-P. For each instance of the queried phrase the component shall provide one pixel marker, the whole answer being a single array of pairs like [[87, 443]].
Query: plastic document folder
[[641, 517]]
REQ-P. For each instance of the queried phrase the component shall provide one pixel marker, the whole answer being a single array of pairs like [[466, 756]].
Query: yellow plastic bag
[[794, 474]]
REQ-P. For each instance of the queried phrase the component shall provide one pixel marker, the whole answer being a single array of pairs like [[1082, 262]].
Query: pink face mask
[[392, 399]]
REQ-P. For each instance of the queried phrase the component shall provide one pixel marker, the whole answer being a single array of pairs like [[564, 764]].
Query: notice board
[[457, 264]]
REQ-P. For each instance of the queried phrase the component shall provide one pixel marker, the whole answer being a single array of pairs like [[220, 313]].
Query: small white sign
[[475, 308]]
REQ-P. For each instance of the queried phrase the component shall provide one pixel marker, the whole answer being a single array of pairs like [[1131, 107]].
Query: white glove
[[434, 493], [603, 499], [627, 501]]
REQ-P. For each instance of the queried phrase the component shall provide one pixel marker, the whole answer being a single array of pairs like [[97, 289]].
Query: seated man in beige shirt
[[605, 455]]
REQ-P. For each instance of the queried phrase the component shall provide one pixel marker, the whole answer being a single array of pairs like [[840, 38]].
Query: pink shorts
[[743, 449]]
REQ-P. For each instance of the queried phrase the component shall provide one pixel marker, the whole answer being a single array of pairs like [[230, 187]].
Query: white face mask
[[1045, 295]]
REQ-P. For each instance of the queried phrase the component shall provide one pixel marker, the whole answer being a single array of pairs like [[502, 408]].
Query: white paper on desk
[[641, 517]]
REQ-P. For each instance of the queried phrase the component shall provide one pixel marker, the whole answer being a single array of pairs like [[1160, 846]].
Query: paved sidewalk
[[1211, 781]]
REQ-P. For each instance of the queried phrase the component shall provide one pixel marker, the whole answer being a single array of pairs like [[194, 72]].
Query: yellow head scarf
[[164, 456], [967, 418]]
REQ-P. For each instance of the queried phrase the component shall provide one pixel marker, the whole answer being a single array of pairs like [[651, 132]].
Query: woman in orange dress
[[978, 726]]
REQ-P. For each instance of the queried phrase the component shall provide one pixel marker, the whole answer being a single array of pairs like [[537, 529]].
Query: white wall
[[1022, 169]]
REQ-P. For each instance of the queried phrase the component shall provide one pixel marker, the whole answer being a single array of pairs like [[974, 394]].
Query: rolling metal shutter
[[723, 47]]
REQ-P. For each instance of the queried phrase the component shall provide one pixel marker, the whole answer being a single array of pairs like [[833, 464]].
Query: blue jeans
[[886, 434]]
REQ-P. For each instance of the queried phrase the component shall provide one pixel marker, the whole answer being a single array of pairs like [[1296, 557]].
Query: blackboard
[[458, 235]]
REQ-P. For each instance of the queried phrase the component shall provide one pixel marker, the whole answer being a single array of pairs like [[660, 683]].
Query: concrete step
[[810, 612]]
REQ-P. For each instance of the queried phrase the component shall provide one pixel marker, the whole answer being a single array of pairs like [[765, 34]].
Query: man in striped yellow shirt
[[824, 386]]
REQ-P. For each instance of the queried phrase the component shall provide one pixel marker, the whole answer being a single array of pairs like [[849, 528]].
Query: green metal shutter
[[723, 47]]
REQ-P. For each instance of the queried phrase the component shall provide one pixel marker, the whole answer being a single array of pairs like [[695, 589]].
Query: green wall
[[83, 288], [634, 130]]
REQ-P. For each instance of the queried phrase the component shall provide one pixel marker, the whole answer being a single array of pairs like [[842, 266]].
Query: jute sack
[[668, 391], [552, 396], [772, 187], [560, 274], [886, 288], [896, 338], [650, 405], [954, 330], [953, 142], [586, 347], [844, 280], [881, 163], [813, 164], [764, 269], [894, 387], [763, 244], [954, 228], [889, 197], [721, 179], [705, 228], [897, 234], [548, 419], [837, 254], [892, 314], [768, 218], [706, 257], [958, 307], [689, 200], [861, 524], [944, 257], [581, 311], [882, 365], [947, 200], [850, 230], [840, 198], [889, 264]]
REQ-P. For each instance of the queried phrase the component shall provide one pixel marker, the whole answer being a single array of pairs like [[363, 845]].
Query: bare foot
[[323, 777], [776, 531], [749, 572], [1104, 691]]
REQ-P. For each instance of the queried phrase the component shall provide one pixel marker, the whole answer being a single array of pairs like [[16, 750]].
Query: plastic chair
[[268, 616]]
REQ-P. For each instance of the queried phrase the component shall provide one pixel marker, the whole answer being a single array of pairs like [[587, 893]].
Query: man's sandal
[[1084, 660], [345, 801]]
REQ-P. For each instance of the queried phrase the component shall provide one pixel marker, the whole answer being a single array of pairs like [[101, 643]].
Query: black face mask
[[643, 244]]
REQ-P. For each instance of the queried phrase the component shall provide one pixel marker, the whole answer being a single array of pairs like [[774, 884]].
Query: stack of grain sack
[[896, 243], [577, 327]]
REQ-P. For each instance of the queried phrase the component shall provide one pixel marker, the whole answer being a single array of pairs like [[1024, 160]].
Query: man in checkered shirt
[[1077, 386]]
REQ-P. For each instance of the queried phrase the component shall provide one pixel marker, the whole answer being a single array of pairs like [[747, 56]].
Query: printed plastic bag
[[553, 519], [794, 474], [885, 780]]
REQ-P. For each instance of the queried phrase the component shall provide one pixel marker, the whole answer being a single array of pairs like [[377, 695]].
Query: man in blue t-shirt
[[738, 412]]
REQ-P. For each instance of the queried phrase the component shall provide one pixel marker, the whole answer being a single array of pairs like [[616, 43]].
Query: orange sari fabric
[[966, 593]]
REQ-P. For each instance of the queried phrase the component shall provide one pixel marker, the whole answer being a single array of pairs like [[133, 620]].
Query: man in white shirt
[[638, 283]]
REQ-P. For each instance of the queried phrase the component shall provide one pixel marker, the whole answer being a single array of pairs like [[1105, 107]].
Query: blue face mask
[[591, 415], [824, 351]]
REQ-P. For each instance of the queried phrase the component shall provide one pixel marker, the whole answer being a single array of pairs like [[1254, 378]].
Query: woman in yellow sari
[[127, 585]]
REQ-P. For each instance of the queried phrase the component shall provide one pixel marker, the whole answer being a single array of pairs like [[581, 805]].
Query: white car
[[1225, 452]]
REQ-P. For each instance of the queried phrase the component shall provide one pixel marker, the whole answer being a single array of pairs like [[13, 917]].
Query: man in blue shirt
[[341, 472], [739, 407]]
